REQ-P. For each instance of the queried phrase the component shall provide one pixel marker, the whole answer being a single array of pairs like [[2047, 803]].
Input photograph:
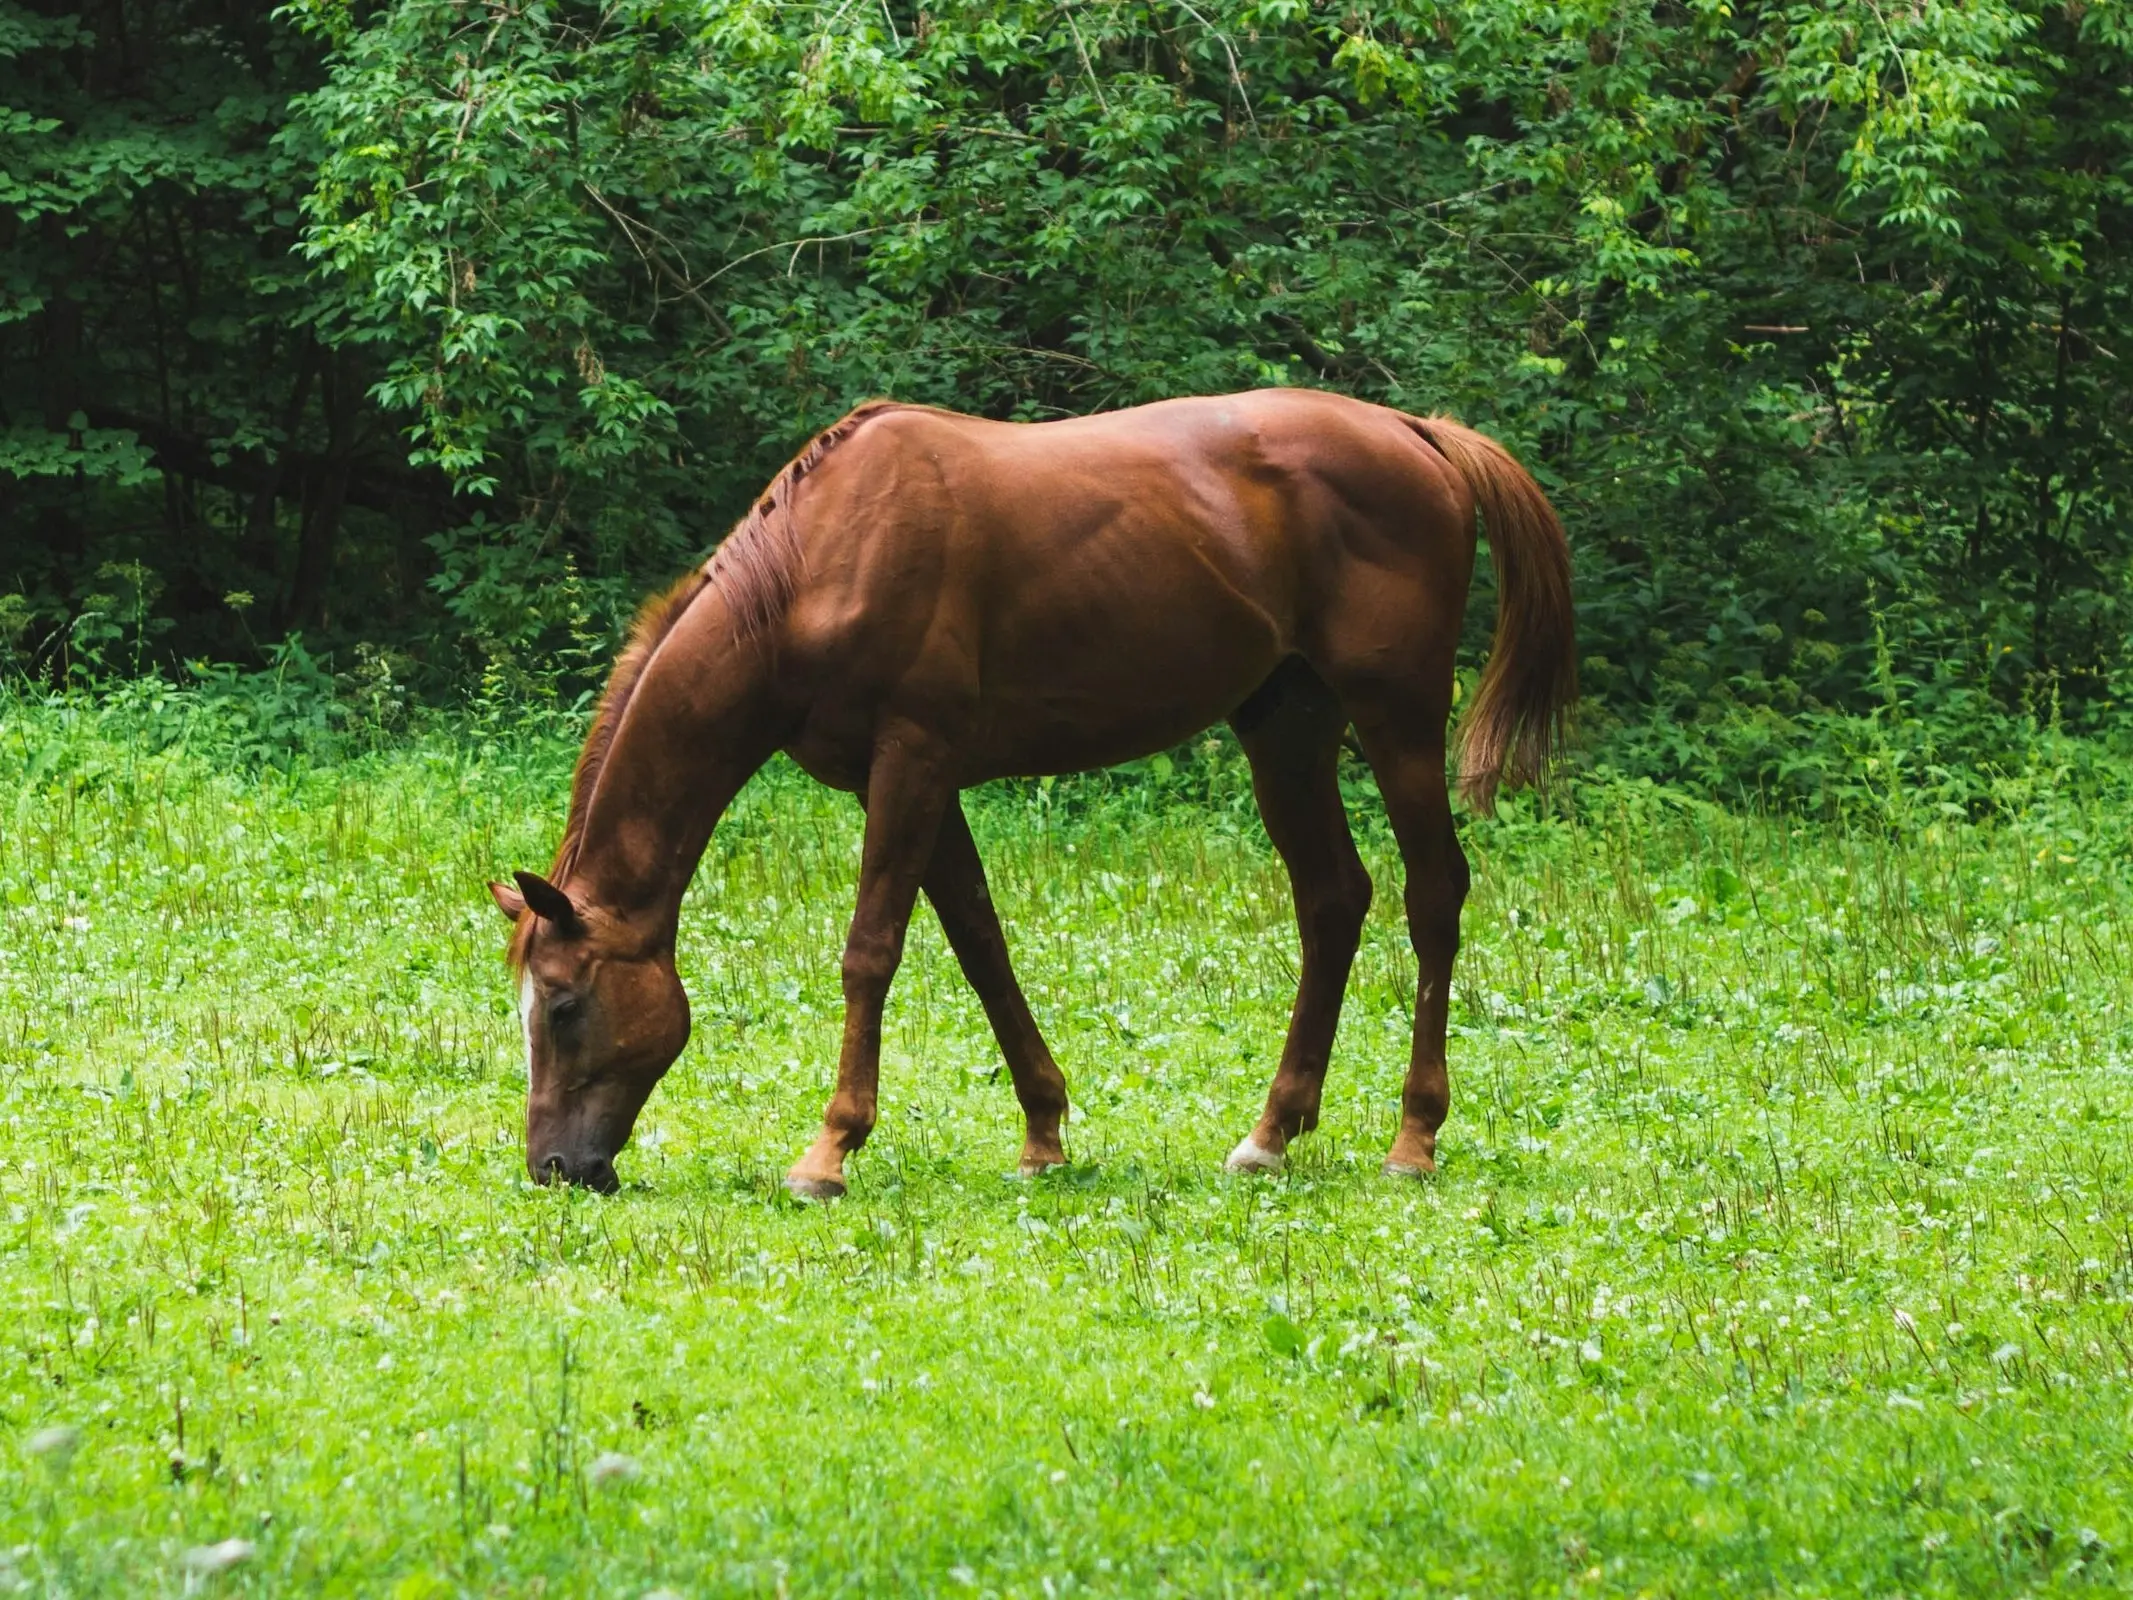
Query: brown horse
[[923, 601]]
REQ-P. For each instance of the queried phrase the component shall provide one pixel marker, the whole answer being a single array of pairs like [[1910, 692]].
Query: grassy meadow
[[1783, 1243]]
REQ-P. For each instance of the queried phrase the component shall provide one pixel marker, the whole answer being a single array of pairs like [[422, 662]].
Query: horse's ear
[[508, 900], [545, 900]]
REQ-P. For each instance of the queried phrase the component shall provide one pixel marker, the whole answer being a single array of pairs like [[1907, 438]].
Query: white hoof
[[1400, 1169], [1252, 1156]]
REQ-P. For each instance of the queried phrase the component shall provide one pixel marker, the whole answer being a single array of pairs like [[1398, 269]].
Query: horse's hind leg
[[955, 883], [1405, 747], [1291, 731]]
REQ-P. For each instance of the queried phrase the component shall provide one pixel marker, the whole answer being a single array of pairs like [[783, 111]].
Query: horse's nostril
[[588, 1172]]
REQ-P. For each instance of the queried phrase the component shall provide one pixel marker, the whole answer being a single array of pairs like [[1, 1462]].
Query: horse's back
[[1103, 586], [1267, 484]]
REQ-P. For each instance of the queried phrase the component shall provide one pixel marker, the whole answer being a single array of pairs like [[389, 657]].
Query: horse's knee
[[870, 962], [1333, 916], [1357, 892]]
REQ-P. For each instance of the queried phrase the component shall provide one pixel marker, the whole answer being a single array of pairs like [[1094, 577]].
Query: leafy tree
[[174, 404], [1804, 311]]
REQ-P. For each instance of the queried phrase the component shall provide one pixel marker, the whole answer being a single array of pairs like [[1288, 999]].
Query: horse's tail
[[1515, 724]]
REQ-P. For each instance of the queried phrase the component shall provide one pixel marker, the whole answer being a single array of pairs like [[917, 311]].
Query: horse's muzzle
[[585, 1171]]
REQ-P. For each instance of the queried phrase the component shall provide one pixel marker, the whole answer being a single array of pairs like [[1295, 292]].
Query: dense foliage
[[444, 327]]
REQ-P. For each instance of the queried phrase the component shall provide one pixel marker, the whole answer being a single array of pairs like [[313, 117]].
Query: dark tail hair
[[1514, 728]]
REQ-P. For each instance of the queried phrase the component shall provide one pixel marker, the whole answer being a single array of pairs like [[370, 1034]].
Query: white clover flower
[[55, 1445], [613, 1467], [209, 1559]]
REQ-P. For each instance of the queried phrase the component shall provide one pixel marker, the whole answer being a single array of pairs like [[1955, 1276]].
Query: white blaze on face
[[525, 1019]]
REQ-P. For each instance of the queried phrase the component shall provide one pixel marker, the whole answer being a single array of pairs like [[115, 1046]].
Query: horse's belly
[[1031, 743], [1115, 687]]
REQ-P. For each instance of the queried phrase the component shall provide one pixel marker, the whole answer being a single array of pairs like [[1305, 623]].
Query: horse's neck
[[701, 721]]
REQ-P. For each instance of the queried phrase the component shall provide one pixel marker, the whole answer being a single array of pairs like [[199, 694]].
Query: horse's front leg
[[908, 789]]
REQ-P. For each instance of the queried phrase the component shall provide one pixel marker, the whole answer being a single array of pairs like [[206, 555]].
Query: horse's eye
[[564, 1008]]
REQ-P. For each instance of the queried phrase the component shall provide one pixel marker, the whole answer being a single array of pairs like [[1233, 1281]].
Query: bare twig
[[1086, 68], [795, 246], [1903, 70], [657, 265], [1236, 77]]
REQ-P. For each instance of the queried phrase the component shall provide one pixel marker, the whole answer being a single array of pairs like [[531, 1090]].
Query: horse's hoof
[[801, 1188], [1039, 1167], [1404, 1169], [1252, 1156]]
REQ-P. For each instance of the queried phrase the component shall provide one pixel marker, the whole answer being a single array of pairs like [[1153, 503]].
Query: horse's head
[[604, 1015]]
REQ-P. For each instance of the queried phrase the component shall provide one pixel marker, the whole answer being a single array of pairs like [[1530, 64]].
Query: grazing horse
[[922, 601]]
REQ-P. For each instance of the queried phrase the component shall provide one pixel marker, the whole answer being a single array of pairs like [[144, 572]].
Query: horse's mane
[[655, 620], [756, 567]]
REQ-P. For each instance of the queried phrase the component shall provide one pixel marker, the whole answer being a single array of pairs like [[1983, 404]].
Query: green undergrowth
[[1783, 1243]]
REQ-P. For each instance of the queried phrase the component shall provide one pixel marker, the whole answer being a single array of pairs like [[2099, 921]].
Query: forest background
[[356, 357]]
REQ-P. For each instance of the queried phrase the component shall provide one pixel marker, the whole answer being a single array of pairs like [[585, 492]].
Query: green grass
[[1783, 1242]]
